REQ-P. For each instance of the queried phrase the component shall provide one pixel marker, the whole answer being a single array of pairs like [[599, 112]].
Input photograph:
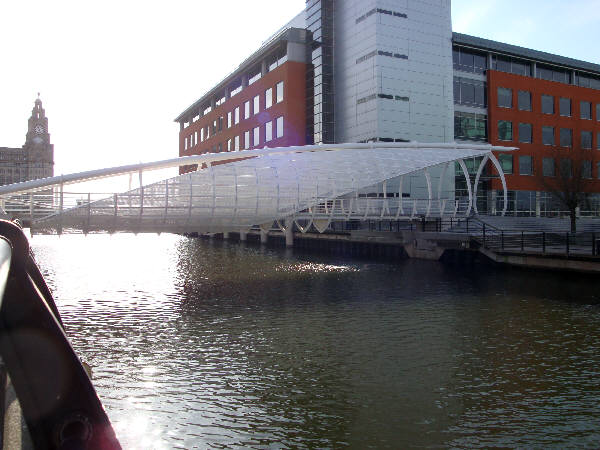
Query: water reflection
[[212, 344]]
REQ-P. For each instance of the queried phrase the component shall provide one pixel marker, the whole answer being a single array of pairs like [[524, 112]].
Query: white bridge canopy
[[308, 183]]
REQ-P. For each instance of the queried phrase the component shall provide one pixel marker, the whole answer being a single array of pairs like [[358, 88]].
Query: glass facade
[[320, 85], [551, 73], [467, 60], [511, 65], [470, 92], [470, 127]]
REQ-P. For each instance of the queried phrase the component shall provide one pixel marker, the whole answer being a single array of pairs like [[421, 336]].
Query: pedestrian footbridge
[[309, 186]]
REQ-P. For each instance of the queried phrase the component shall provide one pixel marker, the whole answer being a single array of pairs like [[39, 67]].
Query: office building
[[393, 71]]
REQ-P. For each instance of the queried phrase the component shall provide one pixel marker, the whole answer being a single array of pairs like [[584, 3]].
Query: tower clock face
[[39, 129]]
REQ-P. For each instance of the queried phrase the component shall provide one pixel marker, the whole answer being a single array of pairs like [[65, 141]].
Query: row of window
[[505, 133], [252, 138], [254, 74], [547, 104], [470, 92], [251, 107], [549, 167], [473, 61]]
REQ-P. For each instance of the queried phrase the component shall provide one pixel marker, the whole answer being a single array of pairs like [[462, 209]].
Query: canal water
[[210, 344]]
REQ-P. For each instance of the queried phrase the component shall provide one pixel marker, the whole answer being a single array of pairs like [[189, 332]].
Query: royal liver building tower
[[36, 158]]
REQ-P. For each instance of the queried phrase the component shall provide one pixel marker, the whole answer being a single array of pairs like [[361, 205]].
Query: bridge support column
[[225, 235], [243, 236], [289, 233], [264, 237]]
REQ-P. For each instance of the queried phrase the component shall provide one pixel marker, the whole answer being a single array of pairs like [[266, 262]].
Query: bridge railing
[[536, 241]]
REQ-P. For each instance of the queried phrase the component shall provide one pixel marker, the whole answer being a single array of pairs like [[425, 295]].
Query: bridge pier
[[225, 235], [243, 236], [289, 233], [264, 236]]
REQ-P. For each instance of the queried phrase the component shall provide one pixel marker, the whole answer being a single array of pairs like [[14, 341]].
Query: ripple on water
[[212, 344]]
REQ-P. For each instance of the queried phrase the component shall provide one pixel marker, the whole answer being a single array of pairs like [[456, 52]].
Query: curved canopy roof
[[269, 185]]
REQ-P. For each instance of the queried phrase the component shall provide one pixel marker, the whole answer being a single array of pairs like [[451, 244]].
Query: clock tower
[[38, 151]]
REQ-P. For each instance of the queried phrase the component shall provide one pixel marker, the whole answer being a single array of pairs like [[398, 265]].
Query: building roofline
[[523, 52], [291, 34]]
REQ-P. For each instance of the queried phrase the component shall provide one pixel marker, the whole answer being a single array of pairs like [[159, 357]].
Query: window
[[566, 137], [585, 110], [236, 115], [548, 135], [524, 99], [469, 61], [547, 104], [525, 132], [548, 168], [220, 147], [469, 92], [564, 107], [229, 145], [598, 112], [566, 168], [201, 134], [586, 169], [268, 98], [268, 131], [598, 141], [470, 126], [510, 65], [229, 116], [237, 143], [214, 127], [506, 162], [553, 74], [505, 130], [247, 110], [220, 124], [598, 168], [246, 140], [280, 92], [525, 165], [279, 127], [256, 137], [504, 97], [588, 80], [586, 140], [256, 104]]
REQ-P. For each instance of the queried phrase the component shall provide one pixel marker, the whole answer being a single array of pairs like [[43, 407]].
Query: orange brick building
[[261, 104], [546, 105]]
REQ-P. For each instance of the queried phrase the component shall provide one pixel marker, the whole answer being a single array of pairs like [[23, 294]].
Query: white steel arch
[[300, 183]]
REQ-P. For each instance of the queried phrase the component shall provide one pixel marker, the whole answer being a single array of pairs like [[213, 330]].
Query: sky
[[113, 75]]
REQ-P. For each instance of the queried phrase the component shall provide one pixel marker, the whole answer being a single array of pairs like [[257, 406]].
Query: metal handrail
[[5, 259], [57, 398]]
